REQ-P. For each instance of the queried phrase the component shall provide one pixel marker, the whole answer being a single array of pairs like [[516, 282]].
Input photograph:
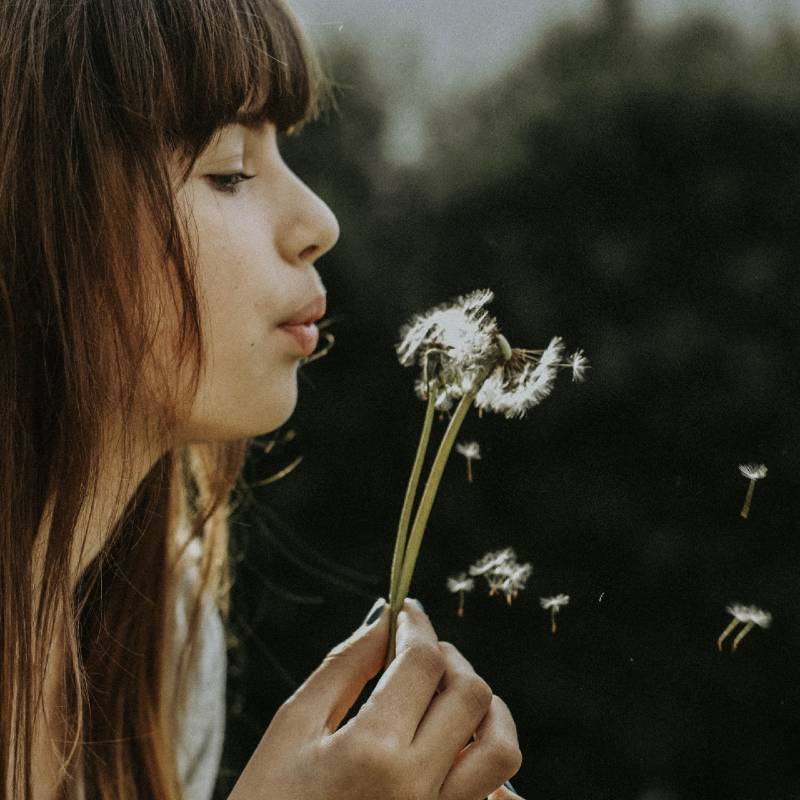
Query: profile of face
[[259, 231]]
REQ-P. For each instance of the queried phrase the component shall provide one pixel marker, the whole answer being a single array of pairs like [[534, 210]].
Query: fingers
[[455, 713], [489, 761], [404, 691], [320, 704]]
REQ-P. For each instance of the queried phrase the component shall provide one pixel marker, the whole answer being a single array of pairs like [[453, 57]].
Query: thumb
[[330, 691]]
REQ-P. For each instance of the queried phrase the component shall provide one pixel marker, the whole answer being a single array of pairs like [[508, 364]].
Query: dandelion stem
[[405, 518], [726, 633], [461, 604], [428, 496], [748, 499], [747, 628], [553, 620], [469, 470]]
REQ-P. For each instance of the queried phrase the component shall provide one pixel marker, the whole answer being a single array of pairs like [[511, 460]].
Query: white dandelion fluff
[[753, 472], [502, 572], [491, 561], [515, 576], [749, 616], [460, 348], [579, 364], [460, 583], [522, 382], [450, 339]]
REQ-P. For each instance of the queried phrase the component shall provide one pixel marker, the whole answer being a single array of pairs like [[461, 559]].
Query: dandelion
[[464, 359], [553, 605], [753, 472], [750, 616], [472, 452], [448, 342], [460, 583]]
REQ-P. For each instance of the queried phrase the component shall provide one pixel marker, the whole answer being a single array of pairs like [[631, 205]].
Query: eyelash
[[221, 182]]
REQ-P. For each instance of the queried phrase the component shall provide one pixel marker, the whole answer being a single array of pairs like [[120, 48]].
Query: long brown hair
[[97, 99]]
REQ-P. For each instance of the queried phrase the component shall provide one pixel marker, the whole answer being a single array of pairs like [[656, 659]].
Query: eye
[[228, 184]]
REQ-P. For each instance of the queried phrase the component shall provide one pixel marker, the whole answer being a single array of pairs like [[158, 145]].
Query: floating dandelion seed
[[491, 561], [753, 472], [579, 364], [750, 616], [460, 583], [553, 605], [471, 451], [502, 573], [495, 583], [515, 577]]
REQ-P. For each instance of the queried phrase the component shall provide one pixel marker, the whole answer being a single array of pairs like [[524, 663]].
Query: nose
[[310, 228]]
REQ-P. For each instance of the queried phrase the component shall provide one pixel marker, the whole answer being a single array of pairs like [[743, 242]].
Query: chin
[[215, 425], [280, 410]]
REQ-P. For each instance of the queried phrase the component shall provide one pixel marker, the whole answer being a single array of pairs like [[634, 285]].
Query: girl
[[157, 294]]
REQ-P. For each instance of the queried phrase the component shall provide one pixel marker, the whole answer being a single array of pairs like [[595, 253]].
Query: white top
[[201, 727]]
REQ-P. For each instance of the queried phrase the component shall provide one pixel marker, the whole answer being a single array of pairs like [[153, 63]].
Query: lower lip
[[305, 336]]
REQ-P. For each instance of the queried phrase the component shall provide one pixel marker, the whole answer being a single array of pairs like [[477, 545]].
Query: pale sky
[[436, 46], [469, 41]]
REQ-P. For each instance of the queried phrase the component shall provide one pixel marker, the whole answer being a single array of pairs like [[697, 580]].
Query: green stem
[[405, 515], [429, 494]]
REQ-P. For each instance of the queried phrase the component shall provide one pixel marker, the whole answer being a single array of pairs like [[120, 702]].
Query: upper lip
[[309, 313]]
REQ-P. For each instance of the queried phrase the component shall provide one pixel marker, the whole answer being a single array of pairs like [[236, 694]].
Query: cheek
[[250, 385]]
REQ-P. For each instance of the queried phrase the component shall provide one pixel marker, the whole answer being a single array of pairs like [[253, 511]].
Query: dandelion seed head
[[743, 613], [753, 471], [553, 352], [460, 332], [470, 450], [554, 602], [512, 392], [460, 583]]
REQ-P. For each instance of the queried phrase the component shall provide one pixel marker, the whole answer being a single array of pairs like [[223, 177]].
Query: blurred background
[[625, 175]]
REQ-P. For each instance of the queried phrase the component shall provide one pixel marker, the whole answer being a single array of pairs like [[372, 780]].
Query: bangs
[[227, 61]]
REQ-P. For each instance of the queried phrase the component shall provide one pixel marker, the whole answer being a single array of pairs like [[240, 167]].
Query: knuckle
[[506, 756], [512, 762], [449, 651], [477, 694], [427, 658]]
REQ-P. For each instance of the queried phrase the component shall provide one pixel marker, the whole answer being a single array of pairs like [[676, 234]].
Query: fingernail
[[418, 604], [510, 788], [375, 611]]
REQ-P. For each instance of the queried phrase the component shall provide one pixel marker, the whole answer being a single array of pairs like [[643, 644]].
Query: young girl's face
[[259, 231]]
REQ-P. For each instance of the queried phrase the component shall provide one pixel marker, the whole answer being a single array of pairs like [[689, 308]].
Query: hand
[[411, 740]]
